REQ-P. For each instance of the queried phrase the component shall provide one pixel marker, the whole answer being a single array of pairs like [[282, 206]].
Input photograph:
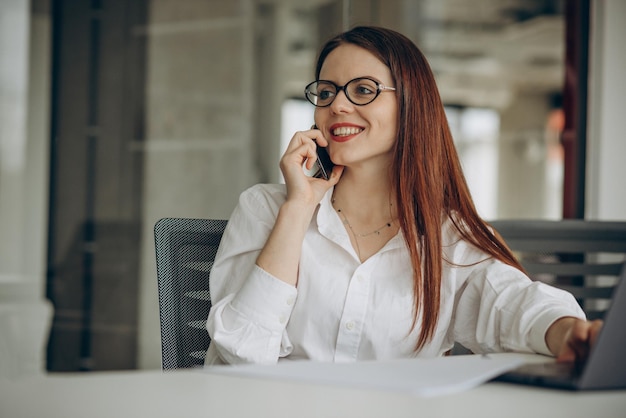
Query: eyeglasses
[[360, 91]]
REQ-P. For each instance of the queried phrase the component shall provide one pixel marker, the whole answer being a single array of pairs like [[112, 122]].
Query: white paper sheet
[[421, 377]]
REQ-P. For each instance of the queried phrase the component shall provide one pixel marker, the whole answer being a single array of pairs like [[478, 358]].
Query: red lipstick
[[344, 131]]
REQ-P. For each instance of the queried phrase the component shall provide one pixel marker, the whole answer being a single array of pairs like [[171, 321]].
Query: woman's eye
[[365, 90], [325, 94]]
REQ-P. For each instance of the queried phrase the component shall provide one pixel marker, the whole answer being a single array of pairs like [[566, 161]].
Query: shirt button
[[282, 319], [291, 301], [349, 325]]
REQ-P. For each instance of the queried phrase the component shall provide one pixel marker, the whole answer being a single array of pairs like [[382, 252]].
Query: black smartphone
[[324, 164]]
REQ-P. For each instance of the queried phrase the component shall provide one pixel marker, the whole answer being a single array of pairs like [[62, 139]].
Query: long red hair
[[428, 179]]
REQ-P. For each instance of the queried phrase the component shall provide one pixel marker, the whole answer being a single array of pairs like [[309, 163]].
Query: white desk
[[154, 394]]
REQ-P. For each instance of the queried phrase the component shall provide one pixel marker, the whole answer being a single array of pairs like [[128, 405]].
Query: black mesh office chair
[[185, 250], [582, 257]]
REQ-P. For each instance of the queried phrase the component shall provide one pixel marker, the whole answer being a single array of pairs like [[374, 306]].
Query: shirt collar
[[330, 225], [328, 222]]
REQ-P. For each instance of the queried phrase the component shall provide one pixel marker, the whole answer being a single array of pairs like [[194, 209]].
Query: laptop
[[605, 367]]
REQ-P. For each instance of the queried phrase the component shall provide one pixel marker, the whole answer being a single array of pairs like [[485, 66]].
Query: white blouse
[[345, 310]]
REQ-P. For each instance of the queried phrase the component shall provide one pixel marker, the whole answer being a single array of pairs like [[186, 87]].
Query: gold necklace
[[347, 222], [357, 235]]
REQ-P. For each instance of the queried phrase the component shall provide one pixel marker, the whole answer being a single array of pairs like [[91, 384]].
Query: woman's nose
[[341, 103]]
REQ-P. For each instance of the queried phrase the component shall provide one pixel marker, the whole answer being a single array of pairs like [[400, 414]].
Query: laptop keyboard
[[551, 369]]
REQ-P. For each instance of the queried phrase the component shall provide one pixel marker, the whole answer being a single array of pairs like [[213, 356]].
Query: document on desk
[[421, 377]]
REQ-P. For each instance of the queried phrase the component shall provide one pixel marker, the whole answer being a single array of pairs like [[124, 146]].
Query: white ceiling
[[483, 52], [483, 56]]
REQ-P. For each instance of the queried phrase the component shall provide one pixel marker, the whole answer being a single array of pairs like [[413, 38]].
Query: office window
[[174, 108], [475, 132]]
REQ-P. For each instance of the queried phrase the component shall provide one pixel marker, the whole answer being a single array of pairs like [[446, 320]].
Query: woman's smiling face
[[358, 134]]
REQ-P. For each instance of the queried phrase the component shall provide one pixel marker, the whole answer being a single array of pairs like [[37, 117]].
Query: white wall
[[606, 139], [14, 39], [24, 137]]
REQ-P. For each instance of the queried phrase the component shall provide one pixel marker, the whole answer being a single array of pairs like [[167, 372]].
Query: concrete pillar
[[522, 157]]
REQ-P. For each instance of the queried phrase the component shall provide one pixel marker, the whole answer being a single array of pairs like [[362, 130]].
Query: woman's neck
[[365, 198], [366, 207]]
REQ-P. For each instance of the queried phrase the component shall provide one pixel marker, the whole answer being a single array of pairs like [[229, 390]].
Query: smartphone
[[324, 164]]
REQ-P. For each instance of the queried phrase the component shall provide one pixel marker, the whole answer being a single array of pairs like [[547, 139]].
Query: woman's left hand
[[571, 339]]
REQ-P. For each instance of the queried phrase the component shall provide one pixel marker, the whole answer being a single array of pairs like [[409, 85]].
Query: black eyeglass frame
[[380, 87]]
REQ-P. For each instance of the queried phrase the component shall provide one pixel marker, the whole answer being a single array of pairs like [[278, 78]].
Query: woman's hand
[[280, 256], [571, 339], [300, 151]]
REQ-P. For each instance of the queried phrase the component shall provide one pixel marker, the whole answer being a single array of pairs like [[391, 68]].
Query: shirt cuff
[[537, 335], [266, 300]]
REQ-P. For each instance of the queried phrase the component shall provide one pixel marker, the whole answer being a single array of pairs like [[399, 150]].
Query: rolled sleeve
[[501, 309], [265, 300], [249, 326]]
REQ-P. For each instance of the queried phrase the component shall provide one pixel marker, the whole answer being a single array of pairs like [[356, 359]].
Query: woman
[[388, 258]]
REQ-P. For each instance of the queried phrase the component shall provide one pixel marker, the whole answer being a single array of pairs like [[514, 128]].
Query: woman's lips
[[344, 132]]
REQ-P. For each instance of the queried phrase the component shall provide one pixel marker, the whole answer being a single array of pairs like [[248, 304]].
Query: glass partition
[[172, 108]]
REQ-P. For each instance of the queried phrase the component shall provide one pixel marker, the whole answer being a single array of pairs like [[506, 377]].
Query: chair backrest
[[580, 256], [185, 250]]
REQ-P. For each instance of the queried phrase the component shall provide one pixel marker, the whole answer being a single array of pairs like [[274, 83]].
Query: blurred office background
[[116, 113]]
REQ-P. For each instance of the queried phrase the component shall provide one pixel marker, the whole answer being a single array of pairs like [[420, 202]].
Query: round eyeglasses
[[360, 91]]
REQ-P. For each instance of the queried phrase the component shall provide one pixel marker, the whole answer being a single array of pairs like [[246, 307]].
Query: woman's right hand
[[280, 256], [302, 150]]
